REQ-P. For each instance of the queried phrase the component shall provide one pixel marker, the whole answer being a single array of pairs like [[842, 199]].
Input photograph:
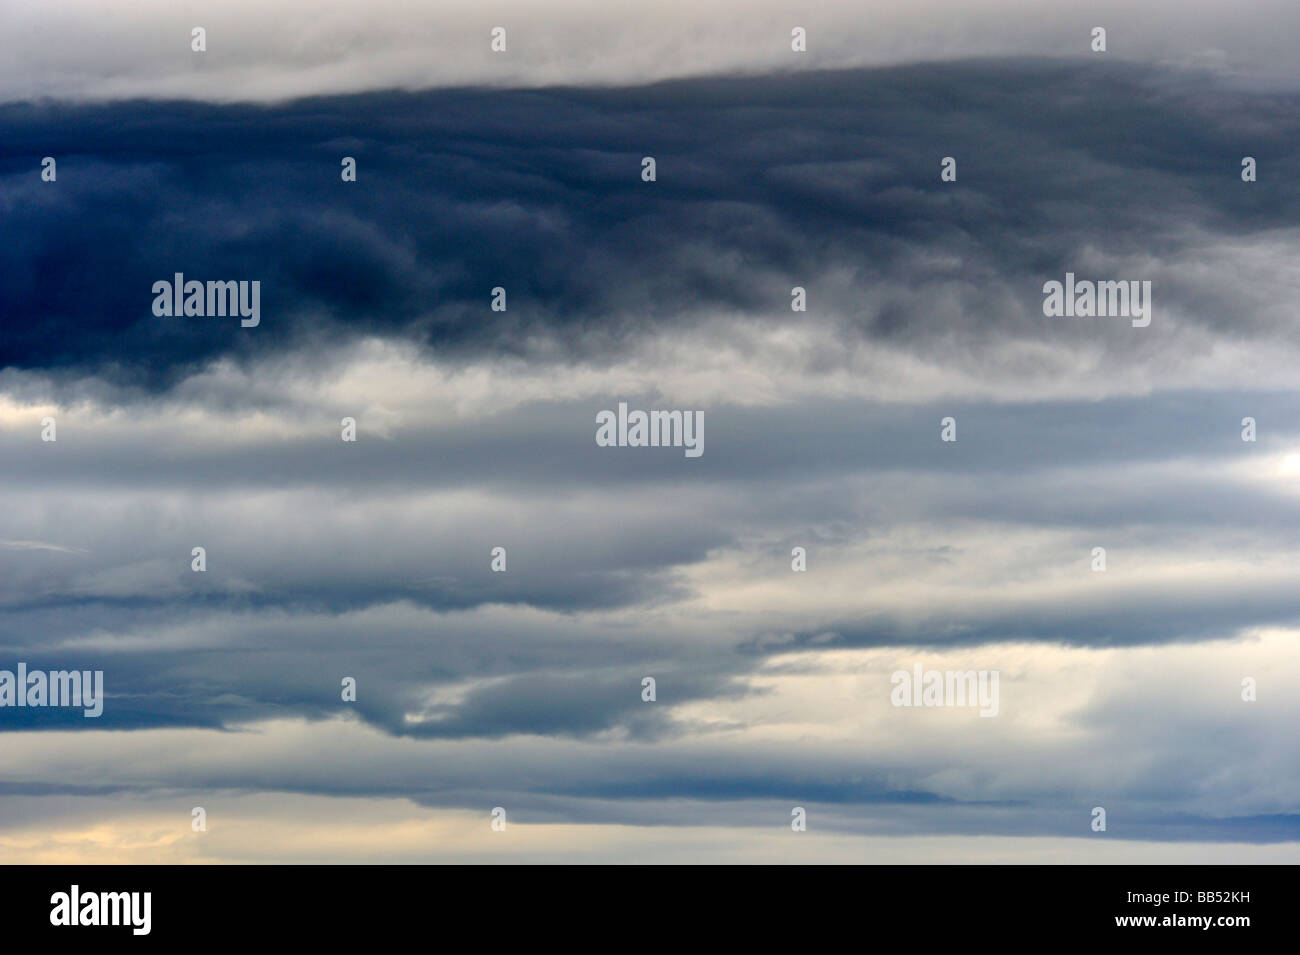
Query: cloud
[[41, 545], [371, 560], [1076, 729], [260, 52], [539, 192]]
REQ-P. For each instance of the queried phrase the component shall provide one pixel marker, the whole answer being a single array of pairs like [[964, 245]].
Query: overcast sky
[[1119, 689]]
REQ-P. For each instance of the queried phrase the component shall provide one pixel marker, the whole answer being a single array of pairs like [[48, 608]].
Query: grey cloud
[[829, 180]]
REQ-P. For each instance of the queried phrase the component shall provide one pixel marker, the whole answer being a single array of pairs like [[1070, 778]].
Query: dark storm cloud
[[763, 184]]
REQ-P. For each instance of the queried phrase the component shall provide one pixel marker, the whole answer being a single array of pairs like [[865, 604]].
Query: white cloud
[[82, 49]]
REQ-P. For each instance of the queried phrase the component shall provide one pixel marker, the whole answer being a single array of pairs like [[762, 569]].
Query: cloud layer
[[271, 52], [476, 428]]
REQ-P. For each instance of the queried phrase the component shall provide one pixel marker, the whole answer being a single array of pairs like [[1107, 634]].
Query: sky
[[476, 689]]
